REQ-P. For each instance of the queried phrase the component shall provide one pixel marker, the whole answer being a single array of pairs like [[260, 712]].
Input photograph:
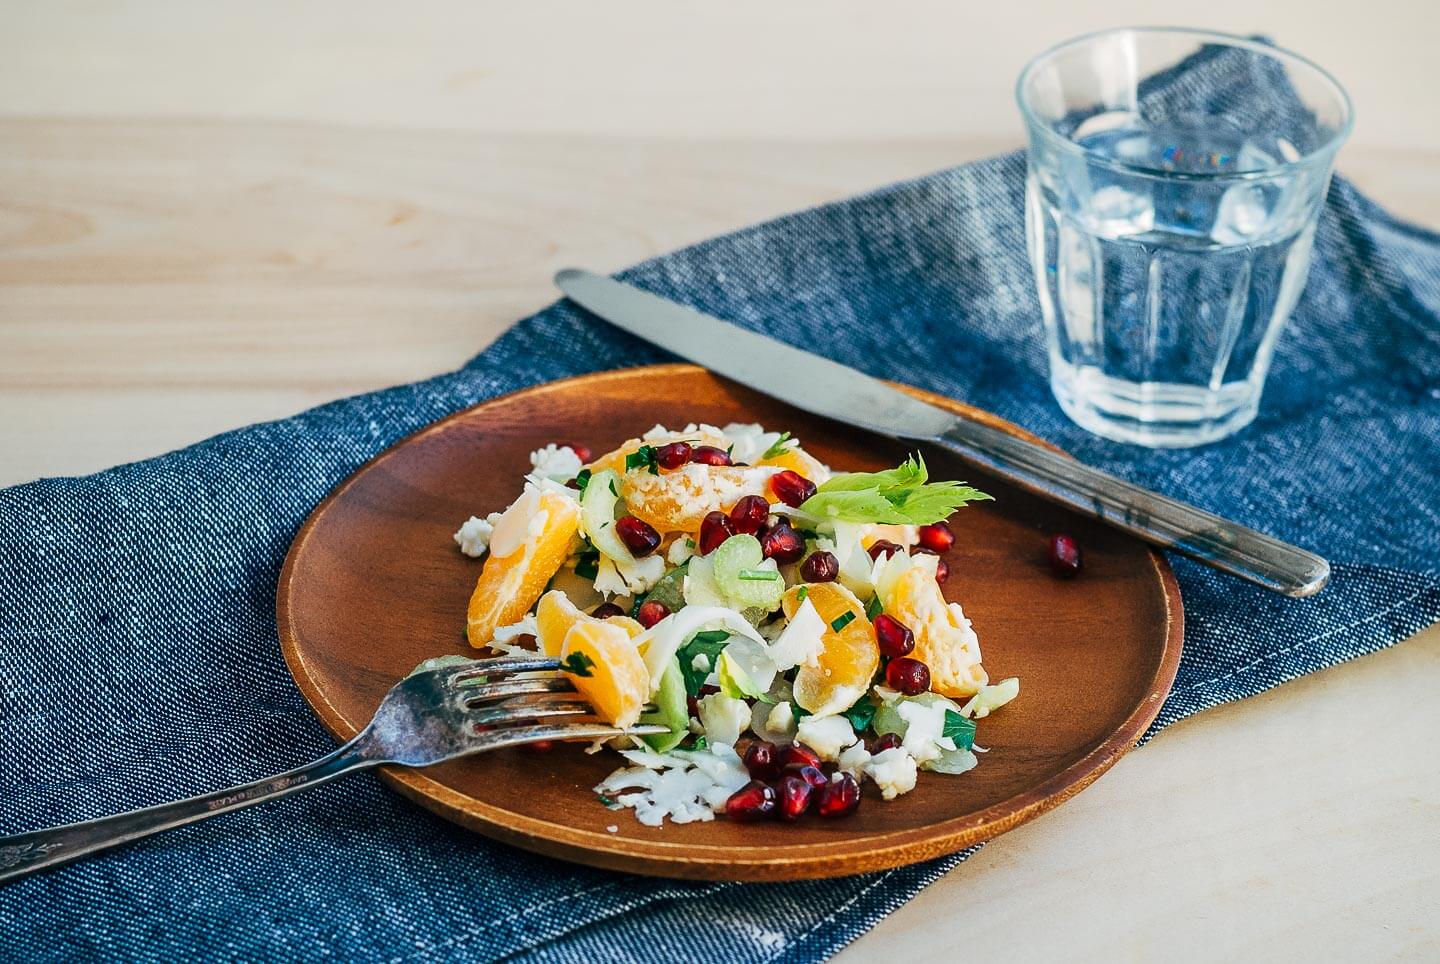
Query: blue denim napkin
[[139, 661]]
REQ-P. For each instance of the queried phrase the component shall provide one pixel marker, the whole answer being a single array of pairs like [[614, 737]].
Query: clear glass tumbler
[[1175, 181]]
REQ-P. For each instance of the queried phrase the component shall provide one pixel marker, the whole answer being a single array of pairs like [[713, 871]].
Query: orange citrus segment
[[617, 684], [678, 501], [509, 584], [556, 615], [850, 656], [944, 640], [798, 460]]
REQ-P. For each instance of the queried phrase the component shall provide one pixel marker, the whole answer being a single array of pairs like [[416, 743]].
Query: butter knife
[[832, 390]]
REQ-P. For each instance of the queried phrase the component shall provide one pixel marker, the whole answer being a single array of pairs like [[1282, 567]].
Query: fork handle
[[24, 853]]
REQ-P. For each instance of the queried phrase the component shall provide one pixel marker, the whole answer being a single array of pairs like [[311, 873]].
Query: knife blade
[[832, 390]]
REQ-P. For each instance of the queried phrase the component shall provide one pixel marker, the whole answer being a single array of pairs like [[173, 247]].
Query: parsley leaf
[[577, 664], [707, 644], [959, 729], [700, 742], [587, 566], [902, 495], [613, 490], [873, 608], [861, 714], [842, 620], [779, 446], [643, 456], [582, 480]]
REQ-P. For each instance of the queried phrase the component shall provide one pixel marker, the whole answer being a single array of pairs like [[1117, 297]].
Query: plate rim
[[714, 862]]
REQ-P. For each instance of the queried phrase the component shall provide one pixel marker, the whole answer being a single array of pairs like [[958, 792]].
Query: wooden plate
[[374, 584]]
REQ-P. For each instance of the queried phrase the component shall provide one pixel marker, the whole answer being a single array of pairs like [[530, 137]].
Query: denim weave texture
[[139, 661]]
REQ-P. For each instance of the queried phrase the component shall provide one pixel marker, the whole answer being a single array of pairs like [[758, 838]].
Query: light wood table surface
[[212, 215]]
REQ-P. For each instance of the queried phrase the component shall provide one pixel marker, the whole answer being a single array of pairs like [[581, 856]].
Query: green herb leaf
[[861, 714], [700, 742], [779, 446], [798, 711], [587, 566], [842, 620], [759, 575], [613, 489], [873, 608], [800, 596], [902, 495], [606, 801], [959, 729], [582, 480], [577, 664], [643, 456], [709, 644]]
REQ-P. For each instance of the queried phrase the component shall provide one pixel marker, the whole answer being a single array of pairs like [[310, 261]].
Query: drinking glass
[[1175, 181]]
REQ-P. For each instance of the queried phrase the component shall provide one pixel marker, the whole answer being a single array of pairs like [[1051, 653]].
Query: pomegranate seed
[[811, 775], [582, 452], [795, 796], [715, 528], [887, 741], [749, 514], [1064, 554], [709, 455], [753, 801], [839, 797], [909, 676], [606, 610], [791, 487], [572, 484], [760, 760], [539, 746], [672, 456], [797, 755], [708, 689], [882, 547], [942, 571], [937, 537], [639, 536], [820, 566], [692, 706], [651, 612], [895, 637], [782, 543]]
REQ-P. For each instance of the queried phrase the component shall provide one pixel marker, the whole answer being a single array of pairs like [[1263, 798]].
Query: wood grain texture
[[373, 585]]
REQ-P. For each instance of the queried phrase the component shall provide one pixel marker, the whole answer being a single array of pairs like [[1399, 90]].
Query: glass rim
[[1323, 152]]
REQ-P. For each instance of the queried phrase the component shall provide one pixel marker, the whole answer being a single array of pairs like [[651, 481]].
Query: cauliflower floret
[[749, 442], [724, 718], [628, 579], [557, 462], [854, 757], [826, 735], [680, 550], [473, 538], [893, 771]]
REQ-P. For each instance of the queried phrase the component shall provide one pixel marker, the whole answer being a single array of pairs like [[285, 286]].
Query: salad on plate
[[783, 621]]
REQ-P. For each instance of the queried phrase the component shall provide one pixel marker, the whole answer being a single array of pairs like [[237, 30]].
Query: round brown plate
[[374, 584]]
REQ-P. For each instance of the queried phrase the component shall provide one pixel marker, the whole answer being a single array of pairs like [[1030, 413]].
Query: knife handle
[[1159, 520]]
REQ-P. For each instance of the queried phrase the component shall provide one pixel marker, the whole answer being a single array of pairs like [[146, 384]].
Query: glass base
[[1153, 414]]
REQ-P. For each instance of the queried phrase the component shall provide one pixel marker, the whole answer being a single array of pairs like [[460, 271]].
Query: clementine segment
[[850, 656], [543, 529], [944, 639], [606, 668]]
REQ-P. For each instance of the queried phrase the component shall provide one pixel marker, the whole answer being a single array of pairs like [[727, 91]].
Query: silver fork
[[426, 718]]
